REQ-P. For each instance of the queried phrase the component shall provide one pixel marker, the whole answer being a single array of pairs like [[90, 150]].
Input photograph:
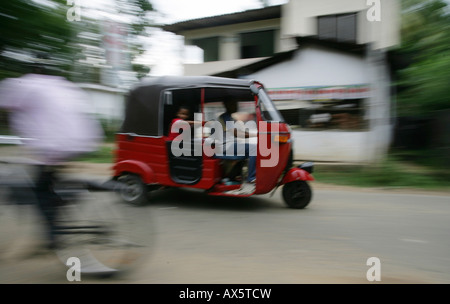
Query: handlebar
[[13, 140]]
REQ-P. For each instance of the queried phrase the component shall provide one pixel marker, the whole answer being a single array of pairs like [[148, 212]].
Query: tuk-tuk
[[146, 159]]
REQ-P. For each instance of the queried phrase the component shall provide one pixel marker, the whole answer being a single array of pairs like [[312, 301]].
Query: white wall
[[315, 66], [332, 146], [107, 103], [215, 67], [380, 104]]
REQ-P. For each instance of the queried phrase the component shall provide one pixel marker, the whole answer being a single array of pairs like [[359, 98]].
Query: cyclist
[[51, 112]]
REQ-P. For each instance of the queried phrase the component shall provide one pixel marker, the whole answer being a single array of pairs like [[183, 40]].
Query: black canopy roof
[[145, 102], [165, 82]]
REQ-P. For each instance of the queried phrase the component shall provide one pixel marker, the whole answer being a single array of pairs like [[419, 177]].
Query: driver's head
[[231, 104]]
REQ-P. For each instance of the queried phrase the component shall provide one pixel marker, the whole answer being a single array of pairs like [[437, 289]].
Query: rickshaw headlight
[[281, 139]]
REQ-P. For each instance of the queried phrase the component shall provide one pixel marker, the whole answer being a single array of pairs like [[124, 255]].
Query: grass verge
[[393, 172], [104, 155]]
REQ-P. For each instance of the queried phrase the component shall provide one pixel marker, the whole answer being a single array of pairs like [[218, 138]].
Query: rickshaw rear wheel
[[297, 195], [134, 192]]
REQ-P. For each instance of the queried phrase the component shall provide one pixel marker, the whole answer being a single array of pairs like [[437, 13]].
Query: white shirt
[[52, 112]]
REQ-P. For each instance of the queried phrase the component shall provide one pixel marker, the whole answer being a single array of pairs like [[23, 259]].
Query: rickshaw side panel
[[132, 155], [152, 153], [135, 167]]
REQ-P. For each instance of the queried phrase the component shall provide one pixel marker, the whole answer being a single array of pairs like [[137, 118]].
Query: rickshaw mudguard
[[296, 174], [136, 167]]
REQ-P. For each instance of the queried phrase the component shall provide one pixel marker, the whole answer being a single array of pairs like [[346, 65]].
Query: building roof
[[350, 48], [395, 59], [270, 12]]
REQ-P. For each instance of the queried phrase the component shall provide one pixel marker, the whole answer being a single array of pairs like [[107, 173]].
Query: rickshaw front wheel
[[297, 195], [134, 191]]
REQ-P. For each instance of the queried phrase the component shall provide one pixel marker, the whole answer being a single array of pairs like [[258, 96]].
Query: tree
[[140, 12], [426, 41], [28, 27]]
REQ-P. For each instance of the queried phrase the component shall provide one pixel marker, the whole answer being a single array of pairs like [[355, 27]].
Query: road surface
[[202, 240]]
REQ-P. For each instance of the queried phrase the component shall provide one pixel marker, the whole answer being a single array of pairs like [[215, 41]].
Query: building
[[325, 63]]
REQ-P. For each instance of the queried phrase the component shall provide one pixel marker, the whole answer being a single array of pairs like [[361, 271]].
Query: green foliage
[[426, 41], [29, 27], [104, 155], [427, 85], [141, 70], [110, 129]]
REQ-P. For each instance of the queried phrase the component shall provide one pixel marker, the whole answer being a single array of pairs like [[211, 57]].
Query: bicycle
[[93, 225]]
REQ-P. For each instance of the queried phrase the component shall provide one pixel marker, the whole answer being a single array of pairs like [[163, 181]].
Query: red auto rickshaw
[[145, 159]]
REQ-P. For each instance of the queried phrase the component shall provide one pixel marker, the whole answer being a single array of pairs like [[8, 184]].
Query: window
[[257, 44], [340, 28], [324, 107], [210, 48], [330, 115]]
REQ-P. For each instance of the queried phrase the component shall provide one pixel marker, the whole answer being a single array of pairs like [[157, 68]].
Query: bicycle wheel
[[108, 236]]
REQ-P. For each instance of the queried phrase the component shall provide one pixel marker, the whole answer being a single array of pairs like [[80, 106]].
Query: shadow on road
[[197, 199]]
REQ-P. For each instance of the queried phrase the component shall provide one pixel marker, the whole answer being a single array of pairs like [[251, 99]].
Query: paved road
[[200, 239]]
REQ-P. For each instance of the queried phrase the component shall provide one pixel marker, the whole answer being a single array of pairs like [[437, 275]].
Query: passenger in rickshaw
[[235, 141], [182, 115]]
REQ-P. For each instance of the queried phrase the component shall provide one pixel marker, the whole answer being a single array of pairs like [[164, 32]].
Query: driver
[[231, 144]]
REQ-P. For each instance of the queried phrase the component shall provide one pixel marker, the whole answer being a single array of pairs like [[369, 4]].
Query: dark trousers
[[47, 199], [247, 150]]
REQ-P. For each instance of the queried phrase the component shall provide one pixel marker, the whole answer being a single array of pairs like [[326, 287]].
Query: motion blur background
[[371, 94]]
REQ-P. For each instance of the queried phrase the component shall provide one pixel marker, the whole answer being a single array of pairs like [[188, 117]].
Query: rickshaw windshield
[[268, 110]]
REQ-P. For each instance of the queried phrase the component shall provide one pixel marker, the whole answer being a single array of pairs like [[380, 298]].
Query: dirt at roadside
[[86, 168]]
